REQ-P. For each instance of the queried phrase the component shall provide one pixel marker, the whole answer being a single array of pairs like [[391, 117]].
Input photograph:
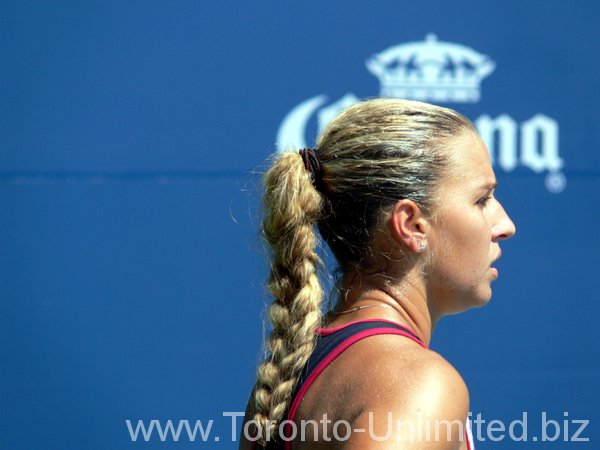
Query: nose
[[504, 228]]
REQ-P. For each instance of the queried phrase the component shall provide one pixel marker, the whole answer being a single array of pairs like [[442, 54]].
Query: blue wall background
[[132, 135]]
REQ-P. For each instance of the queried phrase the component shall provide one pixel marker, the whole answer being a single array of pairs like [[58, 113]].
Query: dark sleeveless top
[[331, 342]]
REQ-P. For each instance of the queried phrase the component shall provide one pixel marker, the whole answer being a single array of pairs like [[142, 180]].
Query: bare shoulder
[[407, 384], [412, 373]]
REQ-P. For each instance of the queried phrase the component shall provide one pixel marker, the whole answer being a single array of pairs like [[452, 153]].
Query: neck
[[404, 302]]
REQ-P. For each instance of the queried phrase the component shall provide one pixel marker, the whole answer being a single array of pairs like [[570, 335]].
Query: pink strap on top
[[337, 351]]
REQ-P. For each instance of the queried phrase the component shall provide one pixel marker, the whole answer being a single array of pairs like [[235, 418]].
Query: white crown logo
[[431, 70]]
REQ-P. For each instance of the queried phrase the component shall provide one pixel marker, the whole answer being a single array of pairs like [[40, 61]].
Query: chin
[[475, 301], [482, 300], [458, 301]]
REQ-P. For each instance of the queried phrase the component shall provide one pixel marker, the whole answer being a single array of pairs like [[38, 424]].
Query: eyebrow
[[489, 186]]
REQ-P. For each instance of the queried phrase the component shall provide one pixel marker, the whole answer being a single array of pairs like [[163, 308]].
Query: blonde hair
[[373, 154]]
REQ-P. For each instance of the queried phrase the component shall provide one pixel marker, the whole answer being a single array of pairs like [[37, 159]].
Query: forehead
[[470, 162]]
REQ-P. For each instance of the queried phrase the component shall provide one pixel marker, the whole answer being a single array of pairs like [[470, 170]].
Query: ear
[[408, 226]]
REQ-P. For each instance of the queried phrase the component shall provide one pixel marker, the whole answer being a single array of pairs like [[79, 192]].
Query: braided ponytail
[[292, 207]]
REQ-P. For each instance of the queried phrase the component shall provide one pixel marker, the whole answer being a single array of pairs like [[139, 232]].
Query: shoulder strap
[[331, 339], [332, 343]]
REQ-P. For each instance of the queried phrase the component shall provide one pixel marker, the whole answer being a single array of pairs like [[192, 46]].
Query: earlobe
[[407, 226]]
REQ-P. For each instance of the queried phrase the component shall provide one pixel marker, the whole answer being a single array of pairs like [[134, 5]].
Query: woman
[[402, 192]]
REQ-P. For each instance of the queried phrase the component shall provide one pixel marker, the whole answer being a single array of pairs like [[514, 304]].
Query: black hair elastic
[[312, 163]]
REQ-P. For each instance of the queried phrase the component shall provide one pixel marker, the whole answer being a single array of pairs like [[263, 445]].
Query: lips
[[494, 270], [497, 257]]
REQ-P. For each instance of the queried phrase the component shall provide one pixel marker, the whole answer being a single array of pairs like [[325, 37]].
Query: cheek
[[464, 246]]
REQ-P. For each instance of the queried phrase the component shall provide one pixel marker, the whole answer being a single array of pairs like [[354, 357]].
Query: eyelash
[[482, 201]]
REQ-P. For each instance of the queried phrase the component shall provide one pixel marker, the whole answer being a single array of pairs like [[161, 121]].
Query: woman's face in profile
[[467, 229]]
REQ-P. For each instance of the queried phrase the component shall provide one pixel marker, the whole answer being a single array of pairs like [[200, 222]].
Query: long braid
[[292, 207]]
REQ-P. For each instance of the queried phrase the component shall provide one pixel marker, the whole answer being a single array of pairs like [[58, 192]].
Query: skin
[[401, 378]]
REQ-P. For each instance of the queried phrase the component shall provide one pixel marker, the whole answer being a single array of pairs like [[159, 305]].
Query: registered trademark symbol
[[556, 182]]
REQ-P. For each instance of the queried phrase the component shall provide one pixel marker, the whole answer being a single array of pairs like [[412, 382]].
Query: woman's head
[[398, 176]]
